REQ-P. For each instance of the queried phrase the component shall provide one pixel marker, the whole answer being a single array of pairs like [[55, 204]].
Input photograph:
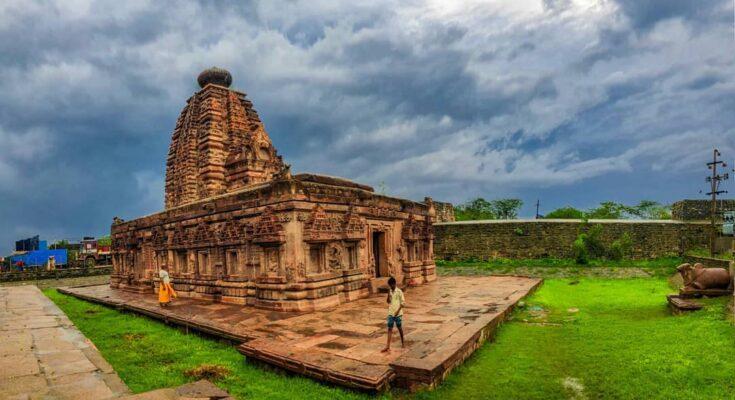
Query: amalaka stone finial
[[215, 75]]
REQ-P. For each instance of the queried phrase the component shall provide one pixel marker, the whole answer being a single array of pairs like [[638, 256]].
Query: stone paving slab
[[44, 356], [444, 322]]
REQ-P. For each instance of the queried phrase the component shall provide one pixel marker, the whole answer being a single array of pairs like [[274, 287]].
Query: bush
[[593, 242], [620, 248], [589, 246], [581, 256]]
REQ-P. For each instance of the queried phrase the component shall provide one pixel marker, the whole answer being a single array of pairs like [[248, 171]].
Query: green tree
[[480, 208], [648, 209], [506, 208], [610, 210], [567, 212], [104, 241], [476, 209]]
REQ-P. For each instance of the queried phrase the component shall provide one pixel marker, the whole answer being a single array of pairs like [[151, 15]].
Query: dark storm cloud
[[705, 81], [645, 14], [531, 99]]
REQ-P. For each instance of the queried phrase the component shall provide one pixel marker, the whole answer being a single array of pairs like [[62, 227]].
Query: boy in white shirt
[[395, 311]]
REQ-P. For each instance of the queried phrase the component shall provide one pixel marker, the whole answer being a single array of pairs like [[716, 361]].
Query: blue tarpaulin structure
[[39, 257]]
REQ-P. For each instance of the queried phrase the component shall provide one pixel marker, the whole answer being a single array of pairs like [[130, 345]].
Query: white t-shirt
[[164, 276], [396, 300]]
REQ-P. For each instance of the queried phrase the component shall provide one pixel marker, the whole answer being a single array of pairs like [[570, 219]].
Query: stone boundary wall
[[700, 209], [483, 240], [35, 275]]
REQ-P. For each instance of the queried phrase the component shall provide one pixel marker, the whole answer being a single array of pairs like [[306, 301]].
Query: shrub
[[210, 372], [593, 242], [620, 248], [581, 256]]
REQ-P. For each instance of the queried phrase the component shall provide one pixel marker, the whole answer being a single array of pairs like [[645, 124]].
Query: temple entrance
[[379, 253]]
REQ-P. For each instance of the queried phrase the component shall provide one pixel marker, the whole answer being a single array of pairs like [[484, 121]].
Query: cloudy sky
[[567, 101]]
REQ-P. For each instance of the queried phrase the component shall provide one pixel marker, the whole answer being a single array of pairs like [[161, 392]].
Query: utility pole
[[537, 204], [714, 182]]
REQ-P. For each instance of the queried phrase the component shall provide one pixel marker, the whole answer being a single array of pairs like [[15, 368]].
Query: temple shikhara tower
[[239, 227]]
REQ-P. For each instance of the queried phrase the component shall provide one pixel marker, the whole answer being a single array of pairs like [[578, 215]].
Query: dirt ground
[[549, 272]]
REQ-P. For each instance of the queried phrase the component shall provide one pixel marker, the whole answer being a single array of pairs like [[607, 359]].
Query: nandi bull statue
[[700, 278]]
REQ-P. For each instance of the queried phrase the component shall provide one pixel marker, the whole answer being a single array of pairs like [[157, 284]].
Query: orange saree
[[165, 293]]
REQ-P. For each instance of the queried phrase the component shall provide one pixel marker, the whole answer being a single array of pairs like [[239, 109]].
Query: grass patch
[[592, 337]]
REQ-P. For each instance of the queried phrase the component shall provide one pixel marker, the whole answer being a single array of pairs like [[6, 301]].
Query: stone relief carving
[[334, 256], [272, 261], [268, 228], [401, 250], [295, 272]]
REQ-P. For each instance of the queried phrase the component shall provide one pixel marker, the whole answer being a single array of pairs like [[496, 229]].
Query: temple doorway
[[379, 253]]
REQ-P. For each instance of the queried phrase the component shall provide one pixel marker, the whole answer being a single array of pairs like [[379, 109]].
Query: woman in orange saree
[[165, 290]]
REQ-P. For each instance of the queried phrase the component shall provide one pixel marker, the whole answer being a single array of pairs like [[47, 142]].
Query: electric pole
[[537, 204], [714, 182]]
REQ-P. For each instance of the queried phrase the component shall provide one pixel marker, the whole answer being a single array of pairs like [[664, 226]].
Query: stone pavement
[[444, 322], [44, 356]]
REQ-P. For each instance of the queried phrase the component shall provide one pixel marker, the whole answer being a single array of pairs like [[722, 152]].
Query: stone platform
[[445, 321]]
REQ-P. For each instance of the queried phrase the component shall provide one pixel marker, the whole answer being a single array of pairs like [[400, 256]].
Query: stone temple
[[238, 227]]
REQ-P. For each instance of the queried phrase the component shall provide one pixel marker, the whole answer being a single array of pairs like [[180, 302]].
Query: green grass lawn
[[584, 337], [622, 343]]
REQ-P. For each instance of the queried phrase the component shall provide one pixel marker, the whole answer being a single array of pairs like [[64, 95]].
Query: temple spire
[[219, 144]]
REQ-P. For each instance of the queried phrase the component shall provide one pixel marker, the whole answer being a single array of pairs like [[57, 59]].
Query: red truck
[[95, 251]]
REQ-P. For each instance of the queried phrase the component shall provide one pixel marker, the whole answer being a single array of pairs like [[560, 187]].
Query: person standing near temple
[[396, 301], [165, 290]]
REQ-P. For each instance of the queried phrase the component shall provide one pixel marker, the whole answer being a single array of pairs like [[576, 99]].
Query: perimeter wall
[[484, 240]]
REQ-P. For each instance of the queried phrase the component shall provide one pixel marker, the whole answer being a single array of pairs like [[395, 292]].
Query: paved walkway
[[44, 356], [445, 321]]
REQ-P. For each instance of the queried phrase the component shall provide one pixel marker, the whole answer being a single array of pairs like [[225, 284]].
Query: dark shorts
[[394, 320]]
